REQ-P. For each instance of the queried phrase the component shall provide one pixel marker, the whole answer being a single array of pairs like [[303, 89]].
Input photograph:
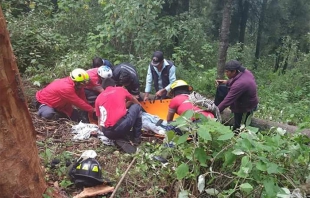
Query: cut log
[[228, 119]]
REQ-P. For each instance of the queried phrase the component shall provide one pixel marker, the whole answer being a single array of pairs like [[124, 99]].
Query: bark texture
[[224, 39], [21, 174]]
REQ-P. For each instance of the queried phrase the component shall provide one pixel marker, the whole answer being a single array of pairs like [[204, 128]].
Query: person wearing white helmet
[[94, 88]]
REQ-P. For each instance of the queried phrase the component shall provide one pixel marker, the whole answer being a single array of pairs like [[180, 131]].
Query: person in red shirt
[[180, 102], [94, 88], [59, 97], [114, 119]]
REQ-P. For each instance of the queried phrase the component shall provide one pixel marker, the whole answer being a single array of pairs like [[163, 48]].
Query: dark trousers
[[91, 96], [240, 118], [47, 112], [132, 120]]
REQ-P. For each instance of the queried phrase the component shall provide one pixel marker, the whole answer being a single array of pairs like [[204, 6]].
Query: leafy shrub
[[250, 163]]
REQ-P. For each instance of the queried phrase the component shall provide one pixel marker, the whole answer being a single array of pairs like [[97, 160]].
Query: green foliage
[[248, 163]]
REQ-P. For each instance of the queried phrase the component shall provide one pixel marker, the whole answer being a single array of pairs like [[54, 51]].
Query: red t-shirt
[[111, 105], [94, 79], [61, 95], [180, 104]]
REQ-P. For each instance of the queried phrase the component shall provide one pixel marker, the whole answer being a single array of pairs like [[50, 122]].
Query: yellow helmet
[[178, 83], [79, 75]]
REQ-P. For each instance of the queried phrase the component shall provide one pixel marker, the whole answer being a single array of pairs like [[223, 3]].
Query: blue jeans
[[122, 128]]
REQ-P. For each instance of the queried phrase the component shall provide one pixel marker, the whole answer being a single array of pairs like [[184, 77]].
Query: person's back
[[61, 94], [95, 80], [112, 99], [180, 101], [181, 104], [53, 96], [125, 74], [115, 120]]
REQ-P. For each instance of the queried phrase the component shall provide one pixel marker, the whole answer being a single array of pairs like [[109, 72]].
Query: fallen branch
[[121, 180]]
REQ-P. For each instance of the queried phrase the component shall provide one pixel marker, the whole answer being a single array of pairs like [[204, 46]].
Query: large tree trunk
[[224, 39], [263, 124], [21, 174]]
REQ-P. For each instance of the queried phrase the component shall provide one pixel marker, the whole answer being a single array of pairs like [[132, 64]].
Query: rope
[[206, 103]]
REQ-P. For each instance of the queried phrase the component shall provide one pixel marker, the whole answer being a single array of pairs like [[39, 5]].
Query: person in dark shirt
[[97, 62], [126, 75], [239, 93]]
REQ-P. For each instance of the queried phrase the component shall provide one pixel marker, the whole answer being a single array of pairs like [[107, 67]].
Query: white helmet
[[105, 72]]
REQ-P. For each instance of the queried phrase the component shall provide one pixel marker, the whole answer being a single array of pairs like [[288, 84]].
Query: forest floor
[[55, 144]]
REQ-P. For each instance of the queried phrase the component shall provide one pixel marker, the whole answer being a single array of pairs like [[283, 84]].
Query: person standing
[[162, 73], [114, 119], [239, 93], [59, 97]]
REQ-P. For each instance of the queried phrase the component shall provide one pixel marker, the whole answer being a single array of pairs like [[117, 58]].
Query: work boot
[[137, 140]]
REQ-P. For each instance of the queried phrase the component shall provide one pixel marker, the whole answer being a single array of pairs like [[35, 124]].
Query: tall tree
[[244, 5], [21, 174], [224, 39], [260, 31]]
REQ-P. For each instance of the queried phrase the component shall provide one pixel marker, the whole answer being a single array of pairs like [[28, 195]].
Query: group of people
[[112, 93]]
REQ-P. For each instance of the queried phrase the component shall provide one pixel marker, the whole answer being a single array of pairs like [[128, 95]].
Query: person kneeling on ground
[[93, 88], [126, 75], [57, 98], [180, 102], [239, 92], [115, 121]]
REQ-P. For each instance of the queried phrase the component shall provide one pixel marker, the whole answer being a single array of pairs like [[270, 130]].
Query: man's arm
[[233, 94], [170, 116], [148, 83], [172, 77], [79, 101]]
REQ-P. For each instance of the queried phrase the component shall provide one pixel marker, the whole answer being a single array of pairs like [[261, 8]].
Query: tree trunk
[[21, 174], [260, 31], [243, 20], [224, 39], [263, 124]]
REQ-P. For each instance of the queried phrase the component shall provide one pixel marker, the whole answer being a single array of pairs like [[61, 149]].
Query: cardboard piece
[[96, 190]]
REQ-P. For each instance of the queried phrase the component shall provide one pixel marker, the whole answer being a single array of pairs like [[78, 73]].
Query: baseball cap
[[234, 65], [157, 58]]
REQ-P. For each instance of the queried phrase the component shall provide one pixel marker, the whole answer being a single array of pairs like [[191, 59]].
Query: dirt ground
[[55, 144]]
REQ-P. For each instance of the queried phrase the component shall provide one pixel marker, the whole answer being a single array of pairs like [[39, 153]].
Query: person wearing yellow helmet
[[180, 91], [58, 98]]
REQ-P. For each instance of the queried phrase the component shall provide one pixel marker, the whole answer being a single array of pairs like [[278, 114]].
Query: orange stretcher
[[157, 107]]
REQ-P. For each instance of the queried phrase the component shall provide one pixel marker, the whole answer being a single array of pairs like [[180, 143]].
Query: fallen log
[[228, 119]]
